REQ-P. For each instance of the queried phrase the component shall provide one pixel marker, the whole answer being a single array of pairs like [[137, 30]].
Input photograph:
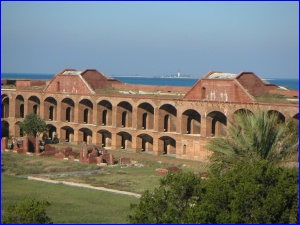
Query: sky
[[151, 38]]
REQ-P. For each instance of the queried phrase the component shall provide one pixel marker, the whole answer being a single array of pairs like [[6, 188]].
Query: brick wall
[[253, 84], [95, 79], [21, 84], [67, 84], [218, 90]]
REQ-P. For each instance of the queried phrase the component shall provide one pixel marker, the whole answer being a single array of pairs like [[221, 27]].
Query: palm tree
[[254, 136]]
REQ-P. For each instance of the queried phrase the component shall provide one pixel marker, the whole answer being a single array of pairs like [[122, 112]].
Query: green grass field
[[132, 179], [69, 204], [81, 205]]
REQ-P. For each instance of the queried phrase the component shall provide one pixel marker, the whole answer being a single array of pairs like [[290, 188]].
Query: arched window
[[103, 140], [104, 117], [85, 137], [143, 145], [144, 124], [124, 115], [68, 114], [35, 109], [166, 123], [22, 110], [189, 125], [85, 115], [213, 127], [123, 142], [51, 109]]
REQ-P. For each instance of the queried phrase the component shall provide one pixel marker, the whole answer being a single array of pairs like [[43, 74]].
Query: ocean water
[[286, 82]]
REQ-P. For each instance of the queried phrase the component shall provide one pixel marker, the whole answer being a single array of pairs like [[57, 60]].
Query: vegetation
[[126, 178], [247, 183], [276, 98], [254, 137], [33, 125], [258, 193], [28, 210], [71, 205], [19, 164], [170, 202]]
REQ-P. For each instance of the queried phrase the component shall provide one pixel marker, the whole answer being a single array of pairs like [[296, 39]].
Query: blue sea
[[290, 83]]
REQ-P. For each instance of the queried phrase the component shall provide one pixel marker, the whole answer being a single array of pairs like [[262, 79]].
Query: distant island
[[176, 76]]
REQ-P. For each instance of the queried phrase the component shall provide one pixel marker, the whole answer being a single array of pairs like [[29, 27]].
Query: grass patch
[[276, 98], [120, 177], [69, 204], [19, 164], [135, 180]]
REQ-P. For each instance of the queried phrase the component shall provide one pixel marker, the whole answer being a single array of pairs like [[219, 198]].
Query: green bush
[[248, 193], [28, 210]]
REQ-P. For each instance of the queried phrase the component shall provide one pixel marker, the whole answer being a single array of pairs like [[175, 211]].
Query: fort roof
[[217, 75], [72, 72]]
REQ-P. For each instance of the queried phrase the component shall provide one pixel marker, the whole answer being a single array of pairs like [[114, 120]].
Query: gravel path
[[83, 186]]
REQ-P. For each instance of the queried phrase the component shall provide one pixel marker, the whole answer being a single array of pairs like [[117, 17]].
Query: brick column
[[4, 142], [58, 112], [114, 115], [95, 114], [134, 118], [25, 144], [76, 112], [156, 119], [42, 110], [26, 107], [205, 126], [178, 122], [156, 147], [12, 107]]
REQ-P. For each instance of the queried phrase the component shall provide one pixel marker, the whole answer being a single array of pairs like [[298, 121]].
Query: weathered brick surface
[[124, 160], [68, 84], [97, 80], [59, 155], [4, 142]]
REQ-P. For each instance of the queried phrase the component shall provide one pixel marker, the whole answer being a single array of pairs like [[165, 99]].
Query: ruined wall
[[20, 84]]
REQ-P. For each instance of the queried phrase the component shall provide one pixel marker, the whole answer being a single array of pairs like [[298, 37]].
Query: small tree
[[168, 203], [260, 193], [27, 211], [33, 125]]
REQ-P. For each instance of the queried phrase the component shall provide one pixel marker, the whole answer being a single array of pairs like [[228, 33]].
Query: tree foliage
[[257, 193], [28, 210], [169, 202], [252, 137], [33, 125]]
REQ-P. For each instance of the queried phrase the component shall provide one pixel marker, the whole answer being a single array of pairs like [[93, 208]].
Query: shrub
[[28, 210]]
